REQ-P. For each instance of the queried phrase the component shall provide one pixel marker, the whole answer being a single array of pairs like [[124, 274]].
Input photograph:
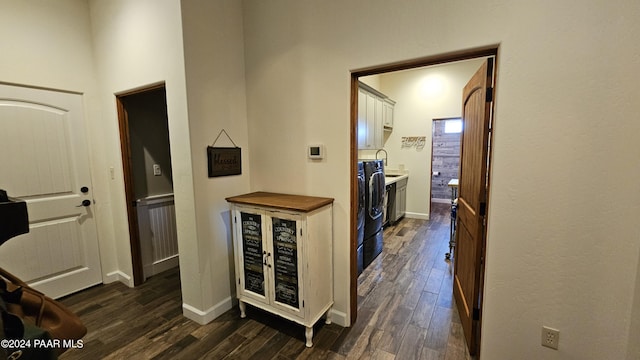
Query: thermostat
[[315, 151]]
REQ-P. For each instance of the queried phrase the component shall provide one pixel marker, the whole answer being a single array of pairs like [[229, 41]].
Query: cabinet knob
[[266, 258]]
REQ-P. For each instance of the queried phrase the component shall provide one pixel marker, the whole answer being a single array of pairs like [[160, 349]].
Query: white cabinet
[[375, 115], [283, 248], [401, 198], [370, 117], [387, 114]]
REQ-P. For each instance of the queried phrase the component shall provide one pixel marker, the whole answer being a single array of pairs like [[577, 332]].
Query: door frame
[[472, 53], [127, 167]]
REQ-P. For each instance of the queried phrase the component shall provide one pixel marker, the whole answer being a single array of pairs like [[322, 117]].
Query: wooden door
[[44, 157], [472, 201]]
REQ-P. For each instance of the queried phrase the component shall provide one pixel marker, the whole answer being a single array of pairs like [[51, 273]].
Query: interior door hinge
[[483, 208], [300, 231], [476, 314], [302, 303], [489, 94]]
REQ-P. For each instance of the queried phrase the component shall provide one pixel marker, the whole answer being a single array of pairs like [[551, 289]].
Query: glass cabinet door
[[252, 254], [285, 238]]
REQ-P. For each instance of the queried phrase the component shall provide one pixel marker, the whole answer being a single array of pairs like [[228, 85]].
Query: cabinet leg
[[243, 309], [328, 316], [309, 335]]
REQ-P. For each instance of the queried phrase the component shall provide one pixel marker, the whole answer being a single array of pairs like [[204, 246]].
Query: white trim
[[420, 216], [339, 318], [205, 317], [155, 199], [161, 265], [441, 201], [118, 276]]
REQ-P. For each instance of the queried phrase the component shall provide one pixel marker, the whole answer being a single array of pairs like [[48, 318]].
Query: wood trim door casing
[[353, 248], [472, 53], [127, 168]]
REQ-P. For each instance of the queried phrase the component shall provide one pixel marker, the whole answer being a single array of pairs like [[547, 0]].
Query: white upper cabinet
[[387, 114], [370, 114], [375, 114]]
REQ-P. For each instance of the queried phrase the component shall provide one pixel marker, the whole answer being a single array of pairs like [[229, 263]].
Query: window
[[453, 126]]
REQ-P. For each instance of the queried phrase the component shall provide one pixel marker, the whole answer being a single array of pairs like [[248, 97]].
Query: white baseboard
[[207, 316], [339, 318], [118, 276], [420, 216]]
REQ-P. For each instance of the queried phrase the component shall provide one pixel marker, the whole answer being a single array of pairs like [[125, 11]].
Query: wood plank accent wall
[[445, 159]]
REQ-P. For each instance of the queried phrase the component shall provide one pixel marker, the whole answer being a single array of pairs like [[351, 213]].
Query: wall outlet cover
[[550, 337]]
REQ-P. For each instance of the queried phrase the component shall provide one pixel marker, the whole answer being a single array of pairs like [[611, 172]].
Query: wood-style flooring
[[405, 311]]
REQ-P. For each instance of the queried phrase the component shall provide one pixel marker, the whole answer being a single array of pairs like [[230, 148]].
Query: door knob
[[84, 189], [85, 203]]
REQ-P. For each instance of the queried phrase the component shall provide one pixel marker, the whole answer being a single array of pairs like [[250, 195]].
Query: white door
[[44, 161]]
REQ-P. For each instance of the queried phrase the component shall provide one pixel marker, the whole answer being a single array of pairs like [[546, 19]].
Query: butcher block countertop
[[281, 201]]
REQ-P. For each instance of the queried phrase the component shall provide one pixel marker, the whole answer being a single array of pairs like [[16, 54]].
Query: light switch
[[315, 151], [156, 170]]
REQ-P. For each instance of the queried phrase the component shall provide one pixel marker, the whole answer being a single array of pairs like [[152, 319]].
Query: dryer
[[361, 212], [374, 209]]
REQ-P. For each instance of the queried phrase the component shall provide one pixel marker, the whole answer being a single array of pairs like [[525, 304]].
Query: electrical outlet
[[550, 337], [156, 170]]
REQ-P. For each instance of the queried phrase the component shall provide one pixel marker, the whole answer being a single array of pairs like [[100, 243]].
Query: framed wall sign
[[224, 161]]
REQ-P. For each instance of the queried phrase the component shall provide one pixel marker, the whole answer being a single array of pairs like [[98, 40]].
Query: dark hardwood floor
[[405, 311]]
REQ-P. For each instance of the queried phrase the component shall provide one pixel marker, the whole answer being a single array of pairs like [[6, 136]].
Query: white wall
[[137, 43], [140, 43], [214, 61], [422, 95], [563, 253], [298, 94], [42, 35]]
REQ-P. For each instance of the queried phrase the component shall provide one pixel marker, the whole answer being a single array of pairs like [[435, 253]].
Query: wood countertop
[[281, 201]]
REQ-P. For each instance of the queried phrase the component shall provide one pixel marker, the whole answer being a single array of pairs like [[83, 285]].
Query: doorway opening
[[489, 52], [445, 157], [146, 157]]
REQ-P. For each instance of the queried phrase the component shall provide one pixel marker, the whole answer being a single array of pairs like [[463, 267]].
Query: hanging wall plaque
[[224, 161]]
